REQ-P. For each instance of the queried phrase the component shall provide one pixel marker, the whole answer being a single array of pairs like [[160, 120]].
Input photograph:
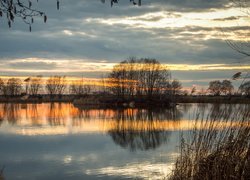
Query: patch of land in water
[[114, 101]]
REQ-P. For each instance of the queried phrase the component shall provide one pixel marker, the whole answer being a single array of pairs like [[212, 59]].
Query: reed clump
[[213, 151], [1, 174]]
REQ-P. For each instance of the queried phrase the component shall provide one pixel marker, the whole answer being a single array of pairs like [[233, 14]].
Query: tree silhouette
[[14, 87], [227, 87], [112, 2], [35, 85], [245, 88], [24, 9], [12, 9], [2, 86], [56, 85], [243, 46], [215, 88], [147, 77], [79, 87]]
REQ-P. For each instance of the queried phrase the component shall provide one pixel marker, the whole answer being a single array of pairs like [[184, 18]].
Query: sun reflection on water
[[65, 118], [122, 143]]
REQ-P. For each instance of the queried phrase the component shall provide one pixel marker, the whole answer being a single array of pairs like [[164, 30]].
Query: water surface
[[60, 141]]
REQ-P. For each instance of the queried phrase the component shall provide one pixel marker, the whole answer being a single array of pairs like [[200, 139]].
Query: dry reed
[[213, 153]]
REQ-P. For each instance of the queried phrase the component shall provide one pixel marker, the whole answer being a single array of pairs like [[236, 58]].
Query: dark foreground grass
[[1, 174], [214, 151]]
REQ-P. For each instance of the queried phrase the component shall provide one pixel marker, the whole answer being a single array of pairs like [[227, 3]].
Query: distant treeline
[[128, 79], [134, 77]]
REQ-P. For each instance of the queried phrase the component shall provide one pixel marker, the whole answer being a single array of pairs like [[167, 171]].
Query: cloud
[[228, 18], [84, 32], [33, 65]]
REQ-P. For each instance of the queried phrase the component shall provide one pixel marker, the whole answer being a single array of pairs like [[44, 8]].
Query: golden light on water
[[59, 119], [101, 126]]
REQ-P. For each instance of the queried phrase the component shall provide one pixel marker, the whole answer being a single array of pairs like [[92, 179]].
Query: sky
[[86, 38]]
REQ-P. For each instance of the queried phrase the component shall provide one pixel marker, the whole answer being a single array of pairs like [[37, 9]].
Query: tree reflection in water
[[57, 114], [226, 111], [135, 129], [149, 137], [140, 140], [11, 112]]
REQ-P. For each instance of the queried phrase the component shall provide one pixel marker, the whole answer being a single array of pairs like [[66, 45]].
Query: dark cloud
[[117, 43], [228, 18], [76, 32], [33, 65], [94, 75], [192, 5], [202, 78]]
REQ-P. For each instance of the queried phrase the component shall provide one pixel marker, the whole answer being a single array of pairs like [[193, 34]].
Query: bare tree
[[175, 87], [140, 77], [226, 87], [2, 86], [24, 10], [153, 76], [241, 46], [245, 88], [103, 87], [134, 2], [14, 86], [243, 4], [35, 85], [79, 87], [123, 78], [56, 85], [215, 87]]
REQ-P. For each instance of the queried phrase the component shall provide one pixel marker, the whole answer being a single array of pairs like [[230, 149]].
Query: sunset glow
[[124, 89], [184, 39], [59, 119]]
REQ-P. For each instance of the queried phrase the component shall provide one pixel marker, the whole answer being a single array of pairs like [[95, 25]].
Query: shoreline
[[214, 99], [111, 101]]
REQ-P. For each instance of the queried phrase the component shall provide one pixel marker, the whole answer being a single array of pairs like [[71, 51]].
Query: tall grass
[[213, 151], [1, 174]]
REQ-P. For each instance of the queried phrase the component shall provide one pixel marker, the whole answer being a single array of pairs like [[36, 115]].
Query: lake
[[61, 141]]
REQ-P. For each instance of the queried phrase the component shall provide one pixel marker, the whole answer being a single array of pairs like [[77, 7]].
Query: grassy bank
[[213, 99], [109, 100], [113, 101], [97, 100], [212, 153], [37, 99]]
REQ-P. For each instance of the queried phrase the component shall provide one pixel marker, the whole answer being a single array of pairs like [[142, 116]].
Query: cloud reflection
[[64, 118], [144, 170]]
